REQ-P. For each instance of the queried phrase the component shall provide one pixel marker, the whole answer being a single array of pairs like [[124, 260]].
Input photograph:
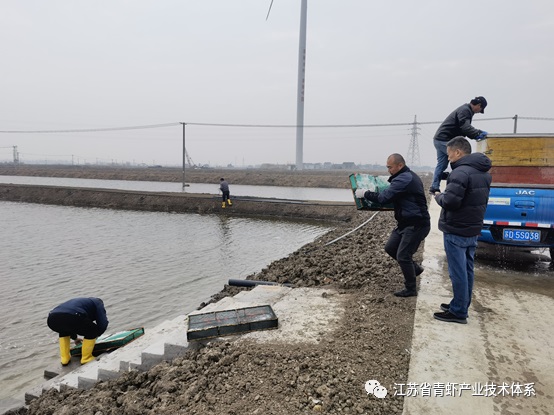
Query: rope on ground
[[353, 230]]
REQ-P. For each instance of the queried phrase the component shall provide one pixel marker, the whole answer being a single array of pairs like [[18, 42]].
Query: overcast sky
[[77, 64]]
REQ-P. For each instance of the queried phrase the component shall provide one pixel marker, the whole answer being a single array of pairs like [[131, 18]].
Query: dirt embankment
[[259, 177], [372, 342], [180, 202], [176, 202]]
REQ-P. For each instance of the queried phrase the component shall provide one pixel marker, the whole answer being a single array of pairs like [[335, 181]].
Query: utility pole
[[515, 123], [413, 149], [184, 155], [301, 87], [301, 83]]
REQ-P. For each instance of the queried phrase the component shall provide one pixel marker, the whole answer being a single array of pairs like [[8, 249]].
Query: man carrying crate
[[412, 216]]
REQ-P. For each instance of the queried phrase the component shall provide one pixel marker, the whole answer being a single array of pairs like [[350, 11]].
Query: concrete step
[[167, 346], [110, 366], [166, 341]]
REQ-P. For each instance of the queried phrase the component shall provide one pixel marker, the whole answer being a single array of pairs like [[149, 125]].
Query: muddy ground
[[372, 342]]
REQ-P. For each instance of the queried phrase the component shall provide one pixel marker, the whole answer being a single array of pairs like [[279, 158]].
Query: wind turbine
[[301, 83]]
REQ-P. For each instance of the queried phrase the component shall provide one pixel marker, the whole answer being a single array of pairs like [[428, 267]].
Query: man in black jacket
[[463, 202], [412, 215], [458, 123], [84, 316]]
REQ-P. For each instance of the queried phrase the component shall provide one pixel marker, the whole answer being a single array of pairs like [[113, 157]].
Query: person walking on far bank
[[224, 187], [407, 195], [84, 316], [458, 123], [463, 203]]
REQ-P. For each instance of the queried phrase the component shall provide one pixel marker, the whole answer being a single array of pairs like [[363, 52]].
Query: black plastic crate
[[229, 322]]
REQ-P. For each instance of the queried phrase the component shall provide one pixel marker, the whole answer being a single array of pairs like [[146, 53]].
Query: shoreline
[[176, 202], [370, 342]]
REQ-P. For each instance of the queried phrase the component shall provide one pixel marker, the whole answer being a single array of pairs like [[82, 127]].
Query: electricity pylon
[[413, 149]]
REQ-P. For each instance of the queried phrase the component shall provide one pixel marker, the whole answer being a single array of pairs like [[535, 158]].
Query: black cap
[[480, 100]]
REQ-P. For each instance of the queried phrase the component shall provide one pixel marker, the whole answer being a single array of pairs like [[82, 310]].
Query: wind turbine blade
[[269, 11]]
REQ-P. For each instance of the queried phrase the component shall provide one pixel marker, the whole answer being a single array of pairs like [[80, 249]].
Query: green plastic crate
[[366, 181], [109, 342]]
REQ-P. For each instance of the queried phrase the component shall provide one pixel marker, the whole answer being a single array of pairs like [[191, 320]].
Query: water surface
[[147, 267]]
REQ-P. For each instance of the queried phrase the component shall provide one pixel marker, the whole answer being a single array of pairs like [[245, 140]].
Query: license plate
[[521, 235]]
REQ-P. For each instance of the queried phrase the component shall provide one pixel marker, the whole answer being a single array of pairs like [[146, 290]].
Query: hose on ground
[[353, 230]]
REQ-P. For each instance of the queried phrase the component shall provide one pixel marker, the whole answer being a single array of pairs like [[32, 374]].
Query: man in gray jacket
[[463, 202], [226, 194], [458, 123]]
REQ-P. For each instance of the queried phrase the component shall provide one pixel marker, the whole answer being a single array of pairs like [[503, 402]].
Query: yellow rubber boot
[[223, 205], [229, 201], [86, 350], [65, 354]]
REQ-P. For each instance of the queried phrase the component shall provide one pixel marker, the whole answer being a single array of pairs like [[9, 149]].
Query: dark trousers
[[72, 324], [402, 245], [226, 194]]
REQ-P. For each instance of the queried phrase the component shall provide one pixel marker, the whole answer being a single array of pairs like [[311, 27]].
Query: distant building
[[348, 165], [313, 166]]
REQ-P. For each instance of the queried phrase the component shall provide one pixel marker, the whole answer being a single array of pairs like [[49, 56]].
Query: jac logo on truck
[[526, 192]]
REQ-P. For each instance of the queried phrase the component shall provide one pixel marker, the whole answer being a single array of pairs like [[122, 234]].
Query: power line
[[536, 118], [173, 124], [89, 130]]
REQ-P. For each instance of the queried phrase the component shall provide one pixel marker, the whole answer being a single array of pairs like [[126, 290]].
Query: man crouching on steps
[[84, 316], [412, 216]]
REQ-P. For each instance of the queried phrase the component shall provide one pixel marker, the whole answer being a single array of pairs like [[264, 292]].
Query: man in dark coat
[[458, 123], [463, 203], [407, 195], [84, 316]]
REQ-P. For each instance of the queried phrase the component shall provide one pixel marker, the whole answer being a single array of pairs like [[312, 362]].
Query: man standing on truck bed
[[463, 204], [458, 123]]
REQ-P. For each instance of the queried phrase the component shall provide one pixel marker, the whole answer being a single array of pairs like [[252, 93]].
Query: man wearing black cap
[[458, 123]]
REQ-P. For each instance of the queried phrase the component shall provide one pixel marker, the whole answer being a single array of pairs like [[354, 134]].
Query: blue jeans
[[460, 252], [442, 162]]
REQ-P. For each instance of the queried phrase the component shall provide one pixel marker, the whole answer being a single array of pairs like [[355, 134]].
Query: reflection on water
[[147, 267]]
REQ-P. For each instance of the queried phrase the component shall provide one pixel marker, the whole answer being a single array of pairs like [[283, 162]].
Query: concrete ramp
[[297, 309], [500, 362]]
